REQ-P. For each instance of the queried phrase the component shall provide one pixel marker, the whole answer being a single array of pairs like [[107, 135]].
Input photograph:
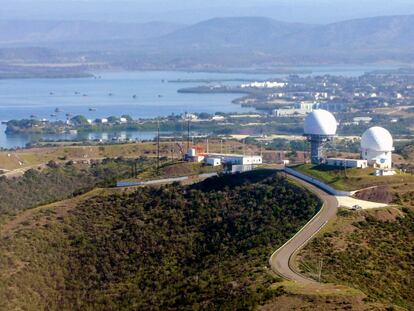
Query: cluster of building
[[376, 144], [303, 108], [264, 85], [233, 162]]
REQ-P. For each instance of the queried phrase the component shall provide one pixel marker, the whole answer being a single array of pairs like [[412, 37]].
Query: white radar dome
[[320, 122], [378, 139]]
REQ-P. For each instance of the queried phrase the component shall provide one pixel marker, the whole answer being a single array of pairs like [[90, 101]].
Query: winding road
[[282, 259]]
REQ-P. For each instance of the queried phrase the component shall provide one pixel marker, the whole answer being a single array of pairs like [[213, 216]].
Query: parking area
[[349, 202]]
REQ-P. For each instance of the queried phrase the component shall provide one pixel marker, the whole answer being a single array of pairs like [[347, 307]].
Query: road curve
[[281, 260]]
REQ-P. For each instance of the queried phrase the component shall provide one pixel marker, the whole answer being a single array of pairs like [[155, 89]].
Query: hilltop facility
[[376, 144], [237, 162]]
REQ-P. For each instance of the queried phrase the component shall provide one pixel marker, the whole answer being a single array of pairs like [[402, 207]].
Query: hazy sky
[[190, 11]]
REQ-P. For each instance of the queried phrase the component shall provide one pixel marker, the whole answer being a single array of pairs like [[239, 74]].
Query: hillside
[[172, 247], [369, 250], [266, 40], [218, 43], [44, 33], [247, 33]]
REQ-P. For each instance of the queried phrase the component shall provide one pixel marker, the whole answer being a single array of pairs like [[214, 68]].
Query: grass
[[169, 170], [351, 179], [11, 160], [368, 250]]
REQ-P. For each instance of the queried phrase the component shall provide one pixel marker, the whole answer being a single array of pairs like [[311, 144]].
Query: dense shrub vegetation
[[202, 247], [373, 252], [58, 182]]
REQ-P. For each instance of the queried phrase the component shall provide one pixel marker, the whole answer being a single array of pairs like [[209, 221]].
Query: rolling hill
[[24, 33], [371, 38], [220, 43]]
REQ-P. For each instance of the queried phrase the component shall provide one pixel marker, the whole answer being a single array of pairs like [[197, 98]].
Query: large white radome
[[378, 139], [320, 122]]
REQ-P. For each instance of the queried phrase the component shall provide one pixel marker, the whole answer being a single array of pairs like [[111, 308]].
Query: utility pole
[[320, 270], [158, 144], [188, 134], [221, 146], [207, 145]]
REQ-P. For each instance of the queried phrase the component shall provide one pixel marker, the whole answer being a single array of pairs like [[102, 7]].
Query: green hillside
[[368, 250], [201, 247]]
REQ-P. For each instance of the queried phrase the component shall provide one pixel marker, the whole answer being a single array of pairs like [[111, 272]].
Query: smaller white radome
[[320, 122], [378, 139]]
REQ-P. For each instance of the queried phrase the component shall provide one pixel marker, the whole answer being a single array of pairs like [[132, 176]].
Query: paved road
[[282, 259]]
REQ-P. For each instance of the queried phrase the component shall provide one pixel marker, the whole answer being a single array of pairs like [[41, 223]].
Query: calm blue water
[[21, 98]]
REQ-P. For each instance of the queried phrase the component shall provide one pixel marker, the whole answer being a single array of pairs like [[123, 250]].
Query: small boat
[[57, 110], [92, 109], [51, 93], [53, 115], [32, 116], [84, 95], [110, 94], [134, 96], [160, 96]]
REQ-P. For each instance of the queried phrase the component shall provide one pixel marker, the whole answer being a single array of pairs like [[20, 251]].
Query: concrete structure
[[217, 158], [383, 172], [300, 109], [377, 147], [241, 168], [213, 161], [359, 120], [237, 159], [348, 163], [319, 128]]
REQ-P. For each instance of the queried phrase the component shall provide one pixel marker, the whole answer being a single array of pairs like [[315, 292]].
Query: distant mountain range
[[221, 42], [44, 33]]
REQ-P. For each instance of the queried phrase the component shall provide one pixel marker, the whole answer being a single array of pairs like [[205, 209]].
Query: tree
[[79, 120]]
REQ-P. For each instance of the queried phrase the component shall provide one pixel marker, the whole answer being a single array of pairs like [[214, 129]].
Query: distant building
[[300, 110], [217, 118], [101, 121], [359, 120], [265, 84]]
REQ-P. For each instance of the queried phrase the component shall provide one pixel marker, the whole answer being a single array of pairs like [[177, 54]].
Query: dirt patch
[[391, 214], [380, 194]]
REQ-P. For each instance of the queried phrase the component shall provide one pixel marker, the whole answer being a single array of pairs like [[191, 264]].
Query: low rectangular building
[[348, 163], [213, 161]]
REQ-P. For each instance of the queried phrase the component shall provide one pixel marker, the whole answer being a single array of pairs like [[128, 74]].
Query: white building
[[365, 120], [300, 109], [213, 161], [348, 163], [237, 159], [101, 121], [265, 84], [377, 147]]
